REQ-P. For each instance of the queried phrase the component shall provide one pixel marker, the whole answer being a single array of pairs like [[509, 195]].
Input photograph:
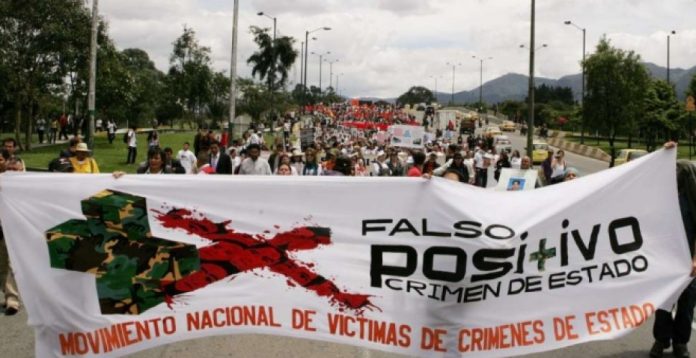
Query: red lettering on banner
[[506, 336], [618, 319], [302, 320], [387, 333], [431, 339], [117, 336], [563, 328], [260, 316]]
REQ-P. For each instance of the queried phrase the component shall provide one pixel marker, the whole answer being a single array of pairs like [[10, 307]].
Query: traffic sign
[[690, 104]]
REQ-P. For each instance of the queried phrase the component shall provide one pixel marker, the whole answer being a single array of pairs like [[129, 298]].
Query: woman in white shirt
[[515, 159], [558, 167]]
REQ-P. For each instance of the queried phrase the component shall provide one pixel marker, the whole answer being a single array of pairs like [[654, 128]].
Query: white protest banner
[[516, 180], [110, 267], [407, 136]]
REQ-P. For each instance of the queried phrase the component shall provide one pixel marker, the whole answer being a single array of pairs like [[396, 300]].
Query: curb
[[577, 148]]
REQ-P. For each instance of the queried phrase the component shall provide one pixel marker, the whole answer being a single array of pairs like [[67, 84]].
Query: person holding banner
[[254, 164], [311, 165], [677, 331], [395, 167], [10, 291], [417, 170]]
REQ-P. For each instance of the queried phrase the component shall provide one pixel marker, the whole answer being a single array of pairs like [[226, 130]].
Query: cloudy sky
[[385, 46]]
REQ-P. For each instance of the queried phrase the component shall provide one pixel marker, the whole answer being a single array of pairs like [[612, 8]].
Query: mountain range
[[514, 86]]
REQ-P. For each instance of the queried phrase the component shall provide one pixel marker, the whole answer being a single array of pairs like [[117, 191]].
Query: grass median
[[683, 148], [109, 157]]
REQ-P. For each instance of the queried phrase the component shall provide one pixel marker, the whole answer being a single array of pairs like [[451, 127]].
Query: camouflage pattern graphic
[[115, 244]]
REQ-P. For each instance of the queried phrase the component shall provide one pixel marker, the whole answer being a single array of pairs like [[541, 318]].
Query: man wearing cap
[[82, 163]]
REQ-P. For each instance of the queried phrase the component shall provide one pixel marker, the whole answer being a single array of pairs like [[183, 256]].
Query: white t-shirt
[[187, 159], [478, 160], [258, 167], [132, 141], [515, 162]]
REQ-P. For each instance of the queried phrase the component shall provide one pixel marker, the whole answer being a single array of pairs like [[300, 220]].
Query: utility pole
[[530, 117], [454, 66], [91, 97], [302, 64], [668, 39], [306, 50], [233, 72]]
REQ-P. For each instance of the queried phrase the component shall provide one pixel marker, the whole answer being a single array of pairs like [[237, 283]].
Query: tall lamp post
[[668, 39], [481, 79], [530, 117], [91, 97], [272, 72], [302, 62], [274, 22], [435, 93], [338, 76], [306, 50], [321, 58], [582, 118], [233, 72], [331, 72], [454, 66]]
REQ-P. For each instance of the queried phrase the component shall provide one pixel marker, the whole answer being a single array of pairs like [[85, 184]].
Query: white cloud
[[385, 46]]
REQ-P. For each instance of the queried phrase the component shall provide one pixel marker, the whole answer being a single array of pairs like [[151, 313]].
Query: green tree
[[662, 112], [330, 96], [274, 58], [254, 99], [616, 86], [190, 73], [33, 34], [691, 90], [148, 84], [219, 101], [415, 95]]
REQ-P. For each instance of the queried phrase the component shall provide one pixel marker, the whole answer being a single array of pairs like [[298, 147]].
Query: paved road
[[583, 164], [16, 338]]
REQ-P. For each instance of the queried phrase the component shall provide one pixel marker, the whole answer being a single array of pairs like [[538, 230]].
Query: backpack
[[125, 137]]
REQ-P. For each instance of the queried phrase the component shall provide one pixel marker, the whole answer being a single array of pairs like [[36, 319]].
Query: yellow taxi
[[508, 126], [626, 155], [540, 152], [492, 131]]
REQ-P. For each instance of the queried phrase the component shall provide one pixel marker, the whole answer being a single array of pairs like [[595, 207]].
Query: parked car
[[626, 155], [540, 152], [492, 131], [502, 143], [508, 126]]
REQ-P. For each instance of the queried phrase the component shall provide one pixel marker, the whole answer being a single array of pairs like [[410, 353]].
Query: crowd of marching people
[[347, 141]]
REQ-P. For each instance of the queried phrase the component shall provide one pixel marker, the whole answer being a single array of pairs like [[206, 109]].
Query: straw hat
[[82, 147]]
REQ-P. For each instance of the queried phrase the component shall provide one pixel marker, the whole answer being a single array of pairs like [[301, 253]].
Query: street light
[[338, 76], [233, 72], [272, 74], [536, 49], [435, 93], [582, 119], [306, 53], [530, 116], [321, 57], [274, 22], [331, 72], [454, 66], [481, 78], [668, 37], [303, 65]]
